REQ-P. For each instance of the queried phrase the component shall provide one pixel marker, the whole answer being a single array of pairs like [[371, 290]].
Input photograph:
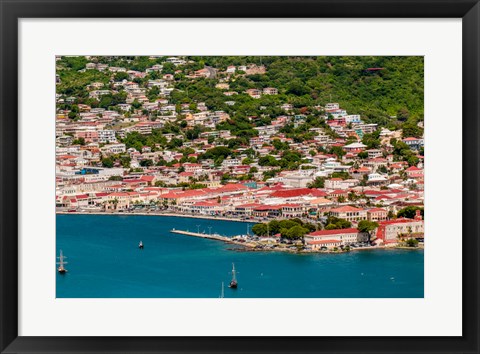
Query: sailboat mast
[[61, 262], [234, 278]]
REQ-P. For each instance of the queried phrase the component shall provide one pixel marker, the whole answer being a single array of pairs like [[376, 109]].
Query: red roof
[[147, 178], [268, 207], [322, 242], [192, 193], [363, 169], [376, 210], [289, 193], [397, 221], [346, 208], [101, 194], [334, 232], [383, 196], [339, 191], [394, 190], [276, 187], [250, 205], [231, 187]]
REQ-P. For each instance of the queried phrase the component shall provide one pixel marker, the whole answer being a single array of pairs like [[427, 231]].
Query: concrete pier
[[250, 244], [203, 235]]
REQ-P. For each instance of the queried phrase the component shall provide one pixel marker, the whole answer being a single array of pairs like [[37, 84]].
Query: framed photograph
[[210, 176]]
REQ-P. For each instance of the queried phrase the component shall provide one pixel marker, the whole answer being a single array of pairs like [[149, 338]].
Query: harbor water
[[104, 261]]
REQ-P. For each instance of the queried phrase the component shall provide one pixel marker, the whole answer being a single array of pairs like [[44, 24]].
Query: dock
[[213, 237], [202, 235]]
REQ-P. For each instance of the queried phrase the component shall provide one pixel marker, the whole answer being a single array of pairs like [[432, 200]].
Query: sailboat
[[61, 263], [222, 294], [140, 245], [233, 282]]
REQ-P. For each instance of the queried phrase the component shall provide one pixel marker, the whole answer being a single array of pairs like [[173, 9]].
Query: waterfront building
[[292, 210], [341, 237], [392, 231]]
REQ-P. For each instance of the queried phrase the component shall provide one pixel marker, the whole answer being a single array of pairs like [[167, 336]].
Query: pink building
[[414, 172], [89, 136], [377, 214], [349, 213]]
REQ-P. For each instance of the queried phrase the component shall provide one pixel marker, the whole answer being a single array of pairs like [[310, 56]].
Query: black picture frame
[[12, 11]]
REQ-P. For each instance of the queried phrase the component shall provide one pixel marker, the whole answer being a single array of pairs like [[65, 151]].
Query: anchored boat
[[233, 282], [61, 263]]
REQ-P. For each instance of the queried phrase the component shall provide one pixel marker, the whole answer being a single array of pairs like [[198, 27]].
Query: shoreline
[[256, 246], [243, 247], [206, 217]]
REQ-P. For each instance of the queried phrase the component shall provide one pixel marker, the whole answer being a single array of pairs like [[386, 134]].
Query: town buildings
[[139, 139]]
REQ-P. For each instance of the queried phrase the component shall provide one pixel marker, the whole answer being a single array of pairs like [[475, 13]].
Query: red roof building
[[392, 230], [349, 213]]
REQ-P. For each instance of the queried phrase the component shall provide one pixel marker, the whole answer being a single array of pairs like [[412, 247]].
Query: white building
[[106, 136], [331, 106], [113, 149]]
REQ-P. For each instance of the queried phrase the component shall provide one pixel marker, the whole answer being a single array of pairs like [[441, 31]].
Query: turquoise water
[[105, 262]]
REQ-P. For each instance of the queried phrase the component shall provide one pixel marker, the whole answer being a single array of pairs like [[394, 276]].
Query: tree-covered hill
[[373, 94], [394, 88]]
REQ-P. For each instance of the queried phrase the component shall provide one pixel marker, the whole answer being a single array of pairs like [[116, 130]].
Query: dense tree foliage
[[411, 242], [318, 182], [368, 227], [334, 223], [396, 90], [409, 212], [292, 229]]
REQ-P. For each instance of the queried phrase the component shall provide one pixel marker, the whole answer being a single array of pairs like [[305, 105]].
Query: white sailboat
[[222, 294], [61, 263]]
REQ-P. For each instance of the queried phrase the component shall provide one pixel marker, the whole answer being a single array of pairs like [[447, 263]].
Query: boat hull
[[233, 285]]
